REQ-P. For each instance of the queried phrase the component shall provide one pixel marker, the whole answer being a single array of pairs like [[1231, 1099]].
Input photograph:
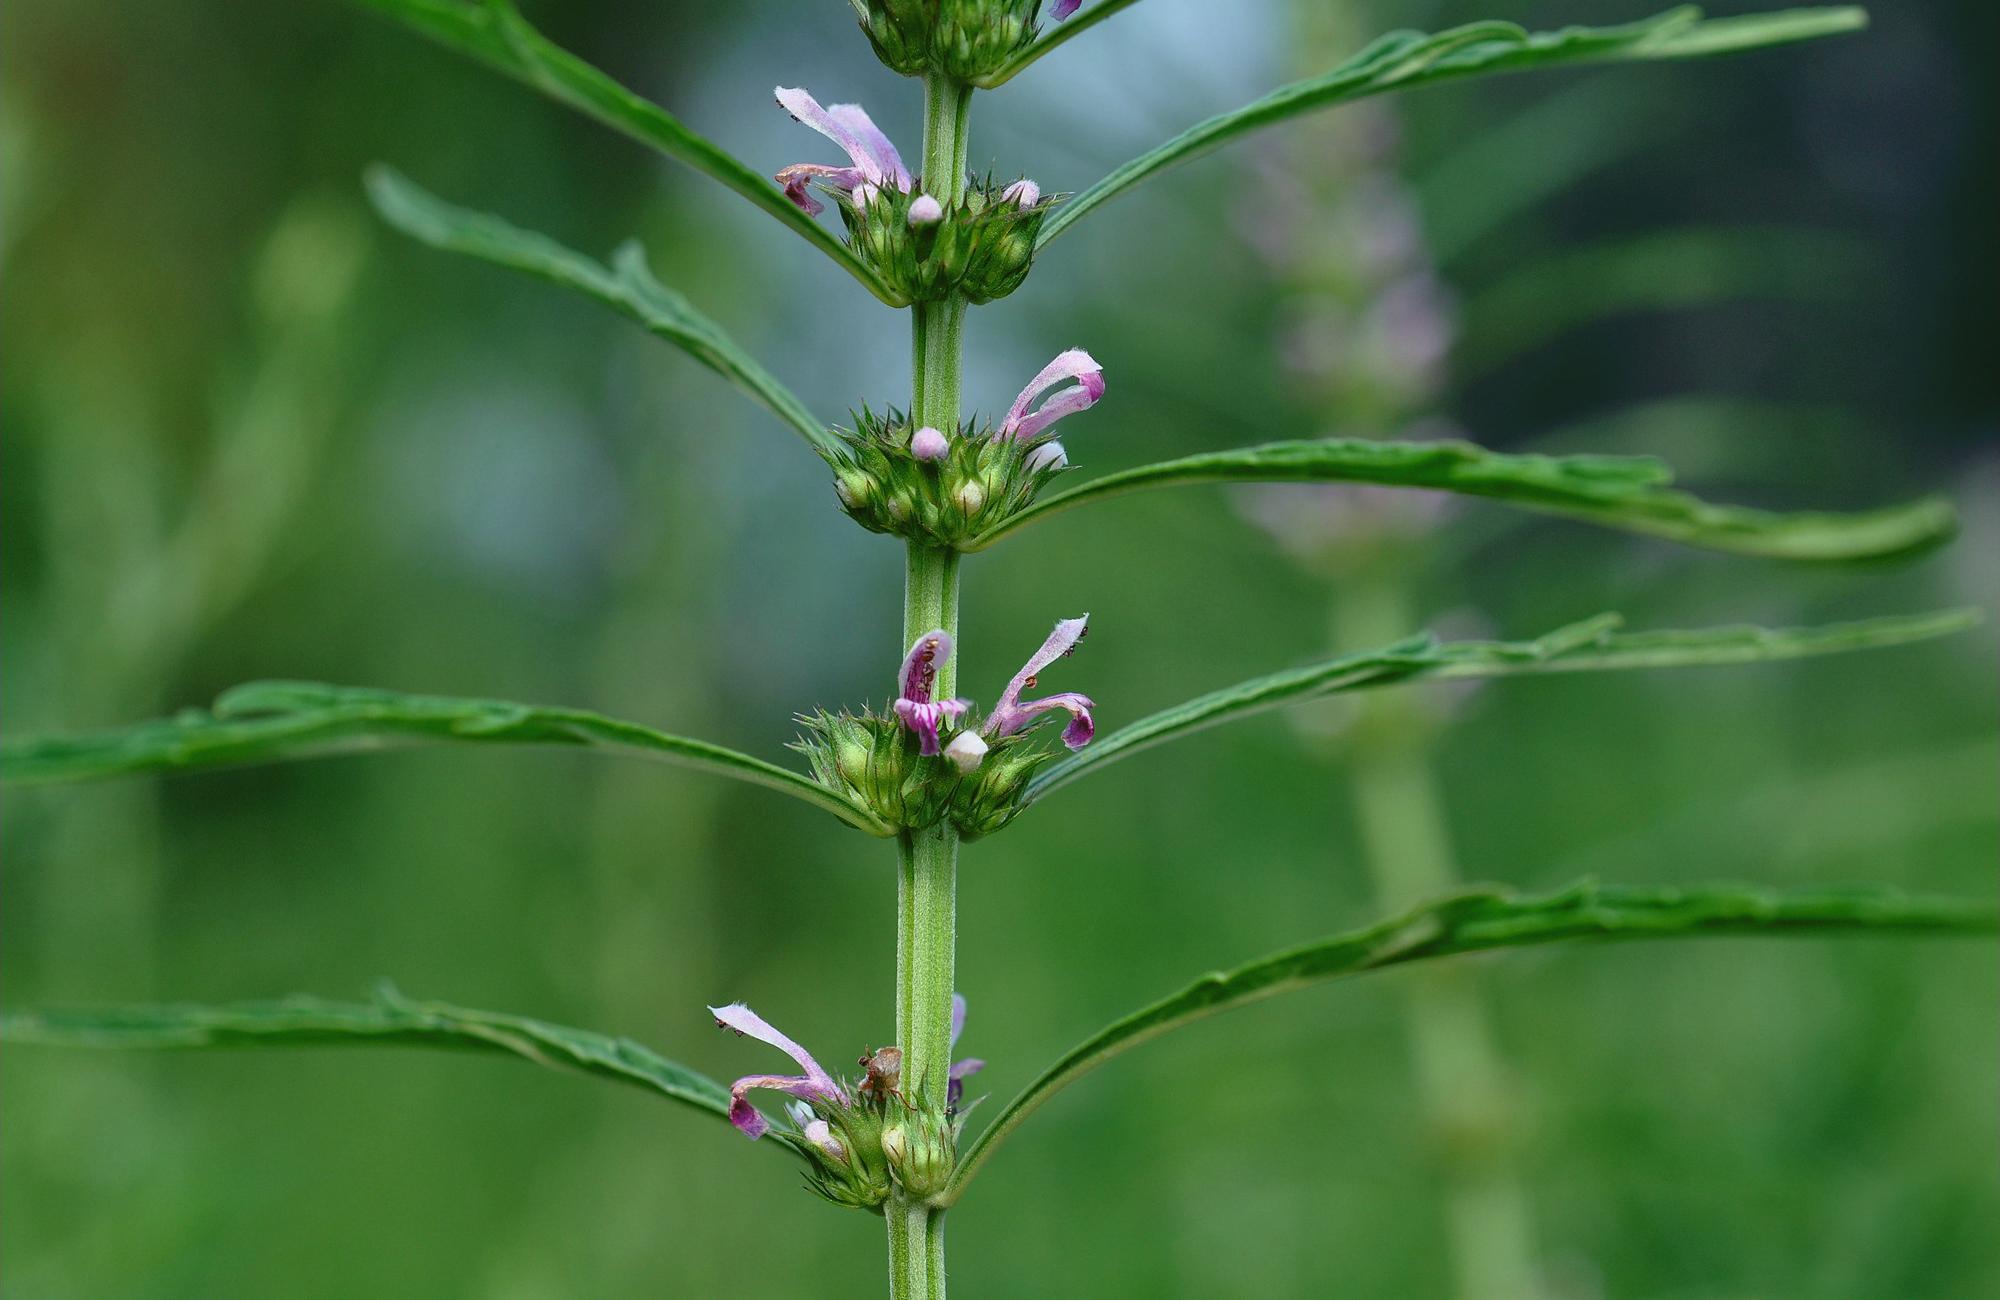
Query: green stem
[[927, 881], [1460, 1075]]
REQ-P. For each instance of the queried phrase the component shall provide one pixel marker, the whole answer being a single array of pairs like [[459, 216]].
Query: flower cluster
[[925, 244], [947, 488], [965, 39], [927, 759], [860, 1137]]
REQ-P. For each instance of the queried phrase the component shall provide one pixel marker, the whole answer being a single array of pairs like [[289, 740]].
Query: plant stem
[[1460, 1075], [927, 880]]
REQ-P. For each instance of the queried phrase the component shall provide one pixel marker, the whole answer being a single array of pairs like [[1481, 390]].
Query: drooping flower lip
[[1075, 364], [1013, 713], [1062, 9], [873, 158], [814, 1084]]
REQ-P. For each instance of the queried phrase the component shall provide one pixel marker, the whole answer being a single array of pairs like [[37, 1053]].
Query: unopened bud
[[965, 751], [928, 444], [926, 211], [854, 489], [1049, 455], [971, 496], [1023, 193]]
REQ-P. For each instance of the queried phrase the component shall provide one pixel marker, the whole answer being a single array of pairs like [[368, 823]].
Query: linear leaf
[[627, 286], [268, 722], [390, 1019], [1593, 645], [1405, 60], [1625, 492], [1483, 920], [494, 33], [1056, 35]]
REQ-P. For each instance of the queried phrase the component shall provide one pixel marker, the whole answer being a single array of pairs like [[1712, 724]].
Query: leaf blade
[[1590, 646], [389, 1020], [627, 286], [493, 32], [1406, 60], [1484, 920], [1629, 493], [281, 721]]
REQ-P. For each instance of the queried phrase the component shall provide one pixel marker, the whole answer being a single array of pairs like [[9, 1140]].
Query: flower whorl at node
[[927, 248], [899, 765], [944, 489], [924, 246], [939, 488], [860, 1140], [965, 39]]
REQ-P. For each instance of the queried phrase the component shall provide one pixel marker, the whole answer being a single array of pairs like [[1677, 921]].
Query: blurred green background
[[248, 432]]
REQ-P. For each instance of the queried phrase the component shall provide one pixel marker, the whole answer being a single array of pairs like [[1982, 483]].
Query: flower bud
[[1047, 456], [926, 211], [966, 750], [970, 496], [920, 1151], [928, 444], [856, 490], [1023, 193]]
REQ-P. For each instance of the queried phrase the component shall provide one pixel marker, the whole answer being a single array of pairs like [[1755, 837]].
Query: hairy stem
[[1460, 1076], [927, 882]]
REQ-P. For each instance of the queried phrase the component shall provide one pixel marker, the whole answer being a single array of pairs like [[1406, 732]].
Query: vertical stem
[[927, 879], [1460, 1075]]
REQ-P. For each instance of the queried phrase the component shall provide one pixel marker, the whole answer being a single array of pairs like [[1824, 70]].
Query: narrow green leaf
[[269, 722], [1486, 919], [1624, 492], [494, 33], [390, 1019], [1068, 29], [1590, 646], [627, 286], [1406, 60]]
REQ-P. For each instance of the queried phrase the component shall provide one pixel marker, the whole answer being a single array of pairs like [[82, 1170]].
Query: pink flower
[[1011, 714], [874, 160], [1074, 364], [814, 1085], [916, 685]]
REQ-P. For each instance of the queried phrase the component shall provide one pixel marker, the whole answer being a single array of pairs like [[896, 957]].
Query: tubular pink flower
[[1011, 714], [875, 160], [814, 1084], [917, 683], [1074, 364]]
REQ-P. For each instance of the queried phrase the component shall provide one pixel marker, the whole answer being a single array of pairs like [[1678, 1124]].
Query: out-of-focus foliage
[[249, 434]]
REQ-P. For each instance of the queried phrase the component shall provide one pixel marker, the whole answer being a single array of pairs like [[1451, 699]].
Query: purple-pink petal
[[1073, 364], [920, 667], [750, 1120], [925, 717], [850, 128], [743, 1020], [957, 1017], [1011, 714], [954, 1089], [863, 129], [1064, 8]]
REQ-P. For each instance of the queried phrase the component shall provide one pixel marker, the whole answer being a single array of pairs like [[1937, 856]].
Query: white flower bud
[[966, 750]]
